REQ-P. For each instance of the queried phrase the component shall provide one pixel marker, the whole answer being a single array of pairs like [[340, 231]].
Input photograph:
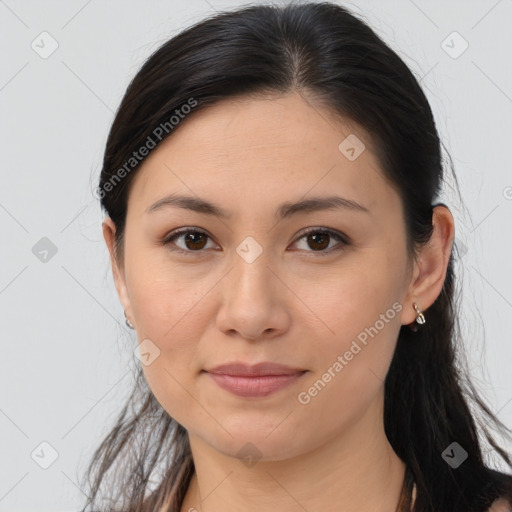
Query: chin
[[252, 446]]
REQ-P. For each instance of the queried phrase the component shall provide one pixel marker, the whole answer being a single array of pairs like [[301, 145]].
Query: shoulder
[[500, 505]]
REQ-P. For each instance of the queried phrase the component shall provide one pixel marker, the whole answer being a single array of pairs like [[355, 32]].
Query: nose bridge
[[251, 262], [250, 250], [252, 278]]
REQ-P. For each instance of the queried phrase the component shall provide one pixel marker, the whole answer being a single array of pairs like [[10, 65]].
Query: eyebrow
[[285, 210]]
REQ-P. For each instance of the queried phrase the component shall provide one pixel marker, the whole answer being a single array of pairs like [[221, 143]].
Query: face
[[317, 290]]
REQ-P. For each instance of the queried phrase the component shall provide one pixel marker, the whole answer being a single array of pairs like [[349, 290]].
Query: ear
[[109, 230], [431, 265]]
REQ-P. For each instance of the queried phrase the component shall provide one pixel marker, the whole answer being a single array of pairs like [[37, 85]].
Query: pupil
[[314, 237], [190, 238]]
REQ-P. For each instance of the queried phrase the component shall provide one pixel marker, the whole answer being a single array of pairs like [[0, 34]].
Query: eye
[[194, 240], [317, 238]]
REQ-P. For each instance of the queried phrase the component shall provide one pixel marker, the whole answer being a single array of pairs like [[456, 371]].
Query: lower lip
[[254, 386]]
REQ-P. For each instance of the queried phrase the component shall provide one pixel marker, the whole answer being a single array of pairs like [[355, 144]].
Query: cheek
[[172, 320], [358, 314], [171, 316], [350, 370], [167, 305], [343, 305]]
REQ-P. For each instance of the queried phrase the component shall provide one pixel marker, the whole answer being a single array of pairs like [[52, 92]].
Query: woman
[[270, 181]]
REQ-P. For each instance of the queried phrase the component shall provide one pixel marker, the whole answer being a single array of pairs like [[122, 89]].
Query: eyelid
[[343, 240], [319, 229]]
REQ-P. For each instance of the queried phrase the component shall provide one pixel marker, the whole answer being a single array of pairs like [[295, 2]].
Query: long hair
[[319, 50]]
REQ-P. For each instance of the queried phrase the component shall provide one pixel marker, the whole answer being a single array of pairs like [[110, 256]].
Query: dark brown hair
[[319, 50]]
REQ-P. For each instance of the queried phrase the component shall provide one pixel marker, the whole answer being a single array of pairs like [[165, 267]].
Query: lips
[[254, 381], [257, 370]]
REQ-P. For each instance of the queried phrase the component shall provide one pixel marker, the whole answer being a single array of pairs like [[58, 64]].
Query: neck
[[355, 471]]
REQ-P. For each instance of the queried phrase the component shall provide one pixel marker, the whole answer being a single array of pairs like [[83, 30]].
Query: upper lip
[[260, 369]]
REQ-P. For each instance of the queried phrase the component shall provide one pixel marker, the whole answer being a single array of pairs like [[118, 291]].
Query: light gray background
[[66, 358]]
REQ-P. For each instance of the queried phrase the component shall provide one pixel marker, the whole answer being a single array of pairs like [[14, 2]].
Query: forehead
[[271, 147]]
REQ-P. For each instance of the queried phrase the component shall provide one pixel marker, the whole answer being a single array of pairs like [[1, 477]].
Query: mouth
[[256, 381]]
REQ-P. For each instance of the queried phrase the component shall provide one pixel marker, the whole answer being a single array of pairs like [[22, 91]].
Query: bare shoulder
[[500, 505]]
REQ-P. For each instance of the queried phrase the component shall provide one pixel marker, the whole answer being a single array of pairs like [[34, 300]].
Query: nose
[[253, 300]]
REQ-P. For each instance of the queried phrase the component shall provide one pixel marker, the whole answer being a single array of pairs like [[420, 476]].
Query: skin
[[291, 305]]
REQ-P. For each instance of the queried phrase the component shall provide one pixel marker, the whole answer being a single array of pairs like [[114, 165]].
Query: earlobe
[[109, 230], [432, 265]]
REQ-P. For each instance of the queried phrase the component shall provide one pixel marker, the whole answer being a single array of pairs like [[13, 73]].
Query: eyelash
[[344, 241]]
